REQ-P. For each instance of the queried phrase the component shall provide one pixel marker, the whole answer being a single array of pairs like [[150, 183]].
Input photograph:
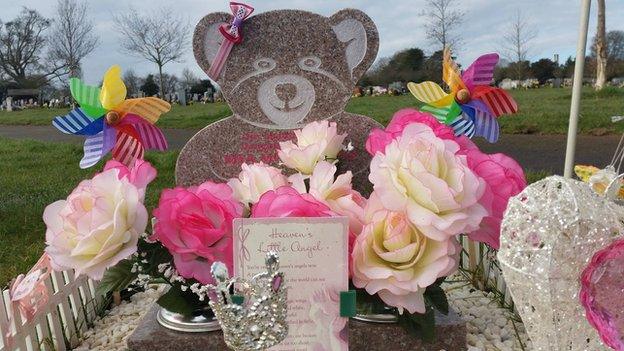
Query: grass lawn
[[35, 174], [543, 110]]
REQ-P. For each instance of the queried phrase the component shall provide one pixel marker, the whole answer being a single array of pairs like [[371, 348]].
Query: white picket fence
[[71, 308], [480, 263]]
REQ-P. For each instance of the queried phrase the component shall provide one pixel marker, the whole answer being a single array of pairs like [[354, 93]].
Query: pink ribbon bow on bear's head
[[232, 32], [233, 35], [29, 294]]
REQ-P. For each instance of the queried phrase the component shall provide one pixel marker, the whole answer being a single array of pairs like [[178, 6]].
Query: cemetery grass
[[543, 110], [35, 174]]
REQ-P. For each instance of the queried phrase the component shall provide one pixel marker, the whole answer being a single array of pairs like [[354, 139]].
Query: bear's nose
[[286, 91]]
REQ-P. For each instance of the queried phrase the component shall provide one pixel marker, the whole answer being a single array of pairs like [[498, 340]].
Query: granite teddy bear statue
[[292, 67]]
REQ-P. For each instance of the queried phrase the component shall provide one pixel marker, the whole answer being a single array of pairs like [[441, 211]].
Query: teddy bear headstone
[[291, 68]]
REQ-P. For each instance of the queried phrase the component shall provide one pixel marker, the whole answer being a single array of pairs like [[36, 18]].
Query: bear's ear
[[207, 39], [359, 33]]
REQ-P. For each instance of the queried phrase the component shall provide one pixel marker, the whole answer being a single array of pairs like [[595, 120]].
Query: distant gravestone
[[293, 67], [557, 83], [182, 97], [9, 103]]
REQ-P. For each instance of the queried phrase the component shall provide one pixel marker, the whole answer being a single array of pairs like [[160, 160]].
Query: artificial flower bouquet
[[429, 186]]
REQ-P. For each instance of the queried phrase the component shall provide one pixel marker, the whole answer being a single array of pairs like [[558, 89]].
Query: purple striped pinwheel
[[112, 122]]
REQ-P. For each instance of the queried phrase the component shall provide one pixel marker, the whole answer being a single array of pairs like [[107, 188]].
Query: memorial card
[[314, 257]]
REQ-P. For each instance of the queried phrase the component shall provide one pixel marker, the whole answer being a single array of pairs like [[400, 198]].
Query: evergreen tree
[[149, 87]]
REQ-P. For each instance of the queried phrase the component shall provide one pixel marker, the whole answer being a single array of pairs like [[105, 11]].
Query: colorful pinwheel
[[473, 105], [112, 122]]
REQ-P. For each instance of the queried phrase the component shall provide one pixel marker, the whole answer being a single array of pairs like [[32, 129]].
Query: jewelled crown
[[252, 313]]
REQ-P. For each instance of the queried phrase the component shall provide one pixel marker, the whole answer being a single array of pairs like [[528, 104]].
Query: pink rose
[[97, 226], [504, 178], [465, 144], [379, 139], [397, 261], [141, 174], [285, 201], [421, 175], [195, 225]]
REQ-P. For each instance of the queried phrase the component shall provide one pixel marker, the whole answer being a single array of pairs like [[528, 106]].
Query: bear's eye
[[264, 64], [310, 62]]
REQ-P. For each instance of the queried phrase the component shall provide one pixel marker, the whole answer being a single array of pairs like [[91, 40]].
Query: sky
[[400, 24]]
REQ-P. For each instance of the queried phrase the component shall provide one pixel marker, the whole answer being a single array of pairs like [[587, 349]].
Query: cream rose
[[254, 180], [421, 175], [395, 260], [317, 141], [97, 226]]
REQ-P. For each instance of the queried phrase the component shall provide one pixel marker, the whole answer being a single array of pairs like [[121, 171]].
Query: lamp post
[[579, 66]]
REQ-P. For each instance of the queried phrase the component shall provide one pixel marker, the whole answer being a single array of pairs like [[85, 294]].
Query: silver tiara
[[252, 313]]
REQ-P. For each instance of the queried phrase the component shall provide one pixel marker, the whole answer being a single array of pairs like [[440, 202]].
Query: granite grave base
[[451, 331]]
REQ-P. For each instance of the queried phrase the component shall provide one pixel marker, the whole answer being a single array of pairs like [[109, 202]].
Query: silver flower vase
[[375, 313], [198, 322]]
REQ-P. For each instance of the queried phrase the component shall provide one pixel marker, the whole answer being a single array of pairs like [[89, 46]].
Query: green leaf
[[439, 281], [175, 302], [419, 325], [116, 278], [436, 297]]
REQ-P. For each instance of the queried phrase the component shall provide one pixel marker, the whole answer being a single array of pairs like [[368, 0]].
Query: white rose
[[254, 180], [421, 175], [317, 141], [97, 226]]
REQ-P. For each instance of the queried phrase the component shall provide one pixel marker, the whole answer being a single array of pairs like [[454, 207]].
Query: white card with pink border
[[314, 257]]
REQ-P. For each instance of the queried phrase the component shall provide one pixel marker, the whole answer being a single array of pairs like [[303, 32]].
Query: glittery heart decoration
[[602, 285], [549, 233]]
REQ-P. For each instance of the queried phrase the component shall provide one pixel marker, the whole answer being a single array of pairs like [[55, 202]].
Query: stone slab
[[451, 331]]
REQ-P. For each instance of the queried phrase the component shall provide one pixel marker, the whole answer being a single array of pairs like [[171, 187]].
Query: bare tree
[[21, 44], [132, 81], [159, 37], [188, 78], [615, 44], [517, 40], [443, 23], [601, 47], [72, 35], [171, 83]]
